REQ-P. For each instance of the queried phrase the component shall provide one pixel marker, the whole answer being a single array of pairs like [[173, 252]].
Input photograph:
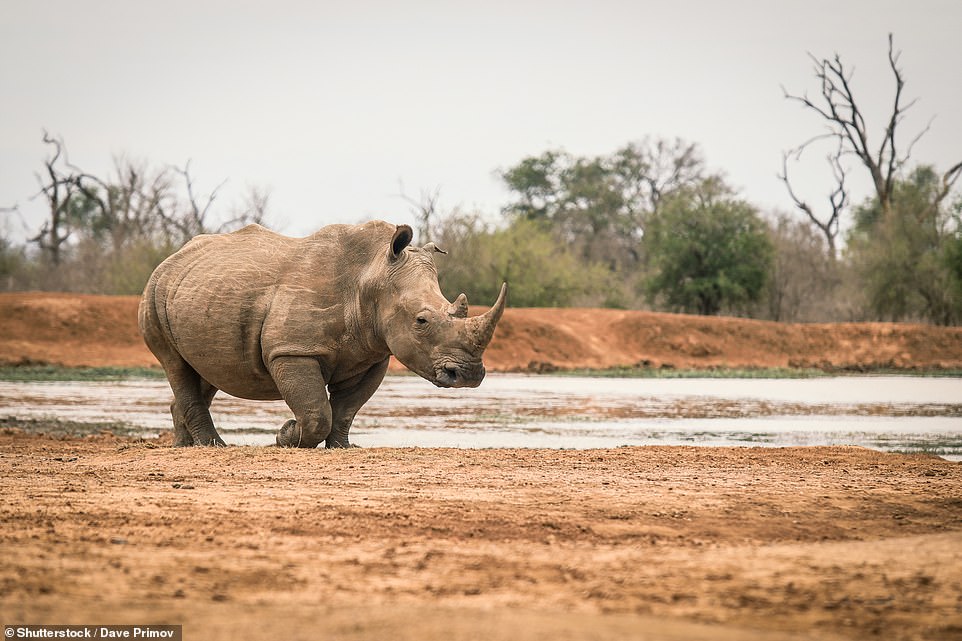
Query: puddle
[[886, 413]]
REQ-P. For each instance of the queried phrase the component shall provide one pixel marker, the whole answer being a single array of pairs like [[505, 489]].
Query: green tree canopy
[[541, 271], [709, 252], [906, 253], [599, 205]]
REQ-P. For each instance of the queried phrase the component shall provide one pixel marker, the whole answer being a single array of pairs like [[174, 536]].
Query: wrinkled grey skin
[[308, 320]]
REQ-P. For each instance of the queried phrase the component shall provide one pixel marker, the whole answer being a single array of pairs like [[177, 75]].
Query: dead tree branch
[[948, 181], [58, 190], [839, 108], [837, 198], [425, 209], [253, 210], [196, 221]]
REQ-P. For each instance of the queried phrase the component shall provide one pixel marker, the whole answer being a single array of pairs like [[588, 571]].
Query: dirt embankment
[[84, 330]]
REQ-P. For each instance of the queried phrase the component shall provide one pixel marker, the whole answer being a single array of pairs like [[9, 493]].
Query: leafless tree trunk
[[106, 233], [135, 204], [58, 190], [837, 106], [194, 220], [837, 199]]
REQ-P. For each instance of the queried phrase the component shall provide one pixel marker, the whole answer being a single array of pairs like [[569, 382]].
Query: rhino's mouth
[[455, 375]]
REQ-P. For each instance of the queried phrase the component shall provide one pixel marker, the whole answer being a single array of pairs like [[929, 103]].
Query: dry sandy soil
[[422, 544], [660, 543]]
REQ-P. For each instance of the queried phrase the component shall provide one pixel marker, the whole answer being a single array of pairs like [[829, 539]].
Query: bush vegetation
[[608, 231]]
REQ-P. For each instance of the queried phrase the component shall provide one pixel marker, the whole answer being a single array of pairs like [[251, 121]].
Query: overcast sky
[[331, 104]]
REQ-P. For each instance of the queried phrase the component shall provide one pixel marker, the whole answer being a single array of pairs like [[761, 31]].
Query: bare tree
[[844, 118], [135, 203], [59, 190], [651, 169], [425, 209], [254, 208], [194, 219], [9, 212], [837, 198], [128, 206]]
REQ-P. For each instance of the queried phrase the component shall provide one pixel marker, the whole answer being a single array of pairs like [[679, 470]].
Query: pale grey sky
[[330, 104]]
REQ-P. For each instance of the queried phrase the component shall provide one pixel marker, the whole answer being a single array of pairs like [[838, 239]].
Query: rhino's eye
[[421, 320]]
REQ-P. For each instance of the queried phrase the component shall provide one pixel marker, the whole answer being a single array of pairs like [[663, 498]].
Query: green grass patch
[[26, 373], [750, 372], [650, 372]]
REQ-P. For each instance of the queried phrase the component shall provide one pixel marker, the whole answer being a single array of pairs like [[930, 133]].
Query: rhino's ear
[[432, 249], [402, 238]]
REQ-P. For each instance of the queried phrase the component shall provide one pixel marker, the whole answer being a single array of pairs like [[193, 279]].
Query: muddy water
[[888, 413]]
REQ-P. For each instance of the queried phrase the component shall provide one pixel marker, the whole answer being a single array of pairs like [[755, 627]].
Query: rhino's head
[[428, 334]]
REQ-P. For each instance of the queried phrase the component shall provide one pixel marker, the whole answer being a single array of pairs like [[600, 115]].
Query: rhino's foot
[[339, 438], [210, 441], [289, 435], [332, 445]]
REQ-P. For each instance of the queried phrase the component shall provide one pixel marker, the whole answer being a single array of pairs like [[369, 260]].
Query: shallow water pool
[[892, 413]]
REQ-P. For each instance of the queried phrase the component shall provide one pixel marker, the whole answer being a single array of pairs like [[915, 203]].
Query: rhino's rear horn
[[483, 326], [459, 308]]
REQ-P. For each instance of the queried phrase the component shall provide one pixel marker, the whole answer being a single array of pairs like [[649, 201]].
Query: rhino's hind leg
[[192, 394], [182, 435], [302, 386], [190, 409]]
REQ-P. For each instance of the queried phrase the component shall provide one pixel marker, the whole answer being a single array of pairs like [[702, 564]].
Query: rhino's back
[[252, 257], [211, 299]]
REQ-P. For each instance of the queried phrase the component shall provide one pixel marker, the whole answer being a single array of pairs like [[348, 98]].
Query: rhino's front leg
[[347, 398], [302, 386]]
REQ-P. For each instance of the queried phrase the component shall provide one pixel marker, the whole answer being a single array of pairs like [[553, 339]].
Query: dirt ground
[[75, 330], [650, 543], [658, 543]]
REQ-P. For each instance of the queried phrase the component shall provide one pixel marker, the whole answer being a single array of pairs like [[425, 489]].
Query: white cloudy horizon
[[332, 105]]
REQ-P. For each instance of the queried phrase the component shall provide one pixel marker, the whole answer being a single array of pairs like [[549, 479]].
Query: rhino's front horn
[[482, 327]]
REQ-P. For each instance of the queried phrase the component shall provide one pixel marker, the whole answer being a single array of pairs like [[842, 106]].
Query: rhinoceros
[[312, 321]]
